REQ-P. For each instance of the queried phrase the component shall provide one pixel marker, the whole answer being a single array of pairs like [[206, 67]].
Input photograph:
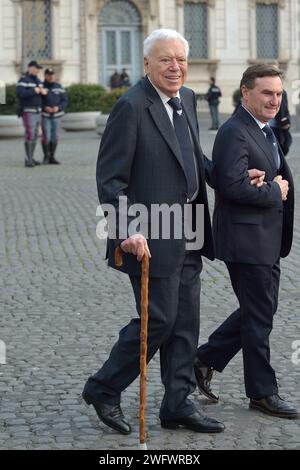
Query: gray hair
[[163, 34]]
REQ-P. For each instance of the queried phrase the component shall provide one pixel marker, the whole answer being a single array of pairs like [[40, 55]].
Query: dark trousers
[[214, 113], [173, 328], [249, 327]]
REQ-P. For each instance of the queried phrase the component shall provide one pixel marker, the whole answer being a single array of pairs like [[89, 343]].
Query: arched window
[[37, 29]]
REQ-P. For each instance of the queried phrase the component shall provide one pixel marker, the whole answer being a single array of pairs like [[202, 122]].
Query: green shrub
[[236, 97], [11, 105], [109, 99], [84, 97], [80, 98]]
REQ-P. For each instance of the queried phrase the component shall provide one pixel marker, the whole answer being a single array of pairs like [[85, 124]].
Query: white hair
[[163, 34]]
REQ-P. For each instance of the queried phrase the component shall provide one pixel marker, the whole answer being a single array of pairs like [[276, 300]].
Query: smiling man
[[253, 228], [150, 154]]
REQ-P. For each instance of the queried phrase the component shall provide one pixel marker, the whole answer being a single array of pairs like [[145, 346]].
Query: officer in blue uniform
[[54, 104], [213, 97], [30, 91]]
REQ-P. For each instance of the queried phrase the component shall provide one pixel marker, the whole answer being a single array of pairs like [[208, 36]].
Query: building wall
[[67, 39], [231, 30], [8, 41]]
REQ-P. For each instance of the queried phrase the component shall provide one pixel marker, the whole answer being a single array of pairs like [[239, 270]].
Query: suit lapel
[[257, 134], [162, 121]]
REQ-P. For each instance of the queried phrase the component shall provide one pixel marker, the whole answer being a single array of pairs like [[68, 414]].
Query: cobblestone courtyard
[[61, 310]]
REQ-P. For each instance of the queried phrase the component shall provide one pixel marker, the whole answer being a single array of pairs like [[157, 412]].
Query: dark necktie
[[271, 139], [183, 136]]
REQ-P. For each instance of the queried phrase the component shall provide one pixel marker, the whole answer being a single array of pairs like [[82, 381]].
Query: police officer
[[212, 97], [54, 104], [30, 91]]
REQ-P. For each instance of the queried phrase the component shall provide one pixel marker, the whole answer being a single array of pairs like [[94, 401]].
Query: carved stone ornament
[[210, 3], [280, 3], [54, 2]]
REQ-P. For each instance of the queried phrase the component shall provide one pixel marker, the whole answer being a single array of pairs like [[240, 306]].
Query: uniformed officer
[[30, 91], [213, 97], [54, 104]]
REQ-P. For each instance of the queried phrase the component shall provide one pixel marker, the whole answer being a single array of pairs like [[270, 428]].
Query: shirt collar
[[258, 122], [165, 98]]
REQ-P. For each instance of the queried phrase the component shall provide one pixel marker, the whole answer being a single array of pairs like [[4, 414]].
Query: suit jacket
[[251, 225], [140, 158], [282, 118]]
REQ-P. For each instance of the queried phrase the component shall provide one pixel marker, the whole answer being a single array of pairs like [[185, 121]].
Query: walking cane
[[143, 340]]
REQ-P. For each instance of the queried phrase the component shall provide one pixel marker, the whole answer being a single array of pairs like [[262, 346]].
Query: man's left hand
[[257, 177]]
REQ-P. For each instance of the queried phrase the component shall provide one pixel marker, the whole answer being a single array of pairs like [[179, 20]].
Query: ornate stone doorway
[[120, 41]]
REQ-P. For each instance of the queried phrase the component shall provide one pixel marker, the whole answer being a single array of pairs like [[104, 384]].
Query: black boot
[[28, 159], [52, 160], [46, 150], [33, 143]]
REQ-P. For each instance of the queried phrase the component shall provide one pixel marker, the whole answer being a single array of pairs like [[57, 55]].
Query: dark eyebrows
[[270, 92]]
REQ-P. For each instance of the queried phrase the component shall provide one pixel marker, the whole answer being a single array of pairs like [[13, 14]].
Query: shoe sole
[[174, 426], [87, 402], [276, 415], [212, 399], [115, 428]]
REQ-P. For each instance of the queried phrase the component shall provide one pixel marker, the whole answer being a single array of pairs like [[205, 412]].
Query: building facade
[[87, 40]]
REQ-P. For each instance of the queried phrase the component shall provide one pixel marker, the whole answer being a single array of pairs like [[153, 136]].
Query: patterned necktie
[[183, 136], [271, 139]]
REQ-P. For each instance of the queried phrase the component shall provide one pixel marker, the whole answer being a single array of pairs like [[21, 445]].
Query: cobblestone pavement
[[61, 310]]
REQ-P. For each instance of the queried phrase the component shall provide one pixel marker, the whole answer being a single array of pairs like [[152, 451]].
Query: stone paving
[[62, 308]]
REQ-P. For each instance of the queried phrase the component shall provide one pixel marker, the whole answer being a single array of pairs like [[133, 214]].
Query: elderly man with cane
[[150, 155]]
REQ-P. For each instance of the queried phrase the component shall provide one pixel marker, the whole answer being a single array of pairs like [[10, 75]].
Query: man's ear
[[244, 92], [146, 63]]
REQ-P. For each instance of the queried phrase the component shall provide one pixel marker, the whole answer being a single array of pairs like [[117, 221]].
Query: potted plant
[[83, 107], [107, 102], [10, 124]]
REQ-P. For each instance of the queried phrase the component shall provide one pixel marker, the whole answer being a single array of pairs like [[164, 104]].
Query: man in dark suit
[[150, 154], [253, 228]]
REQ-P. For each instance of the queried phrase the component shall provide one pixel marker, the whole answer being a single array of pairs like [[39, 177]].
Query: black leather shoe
[[53, 161], [195, 422], [203, 377], [111, 415], [36, 162], [275, 406], [29, 164]]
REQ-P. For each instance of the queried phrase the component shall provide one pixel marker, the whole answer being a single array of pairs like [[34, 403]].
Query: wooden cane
[[143, 348], [143, 340]]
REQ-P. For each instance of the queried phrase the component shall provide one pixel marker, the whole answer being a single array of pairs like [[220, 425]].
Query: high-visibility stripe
[[57, 90], [27, 85], [32, 110], [55, 115]]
